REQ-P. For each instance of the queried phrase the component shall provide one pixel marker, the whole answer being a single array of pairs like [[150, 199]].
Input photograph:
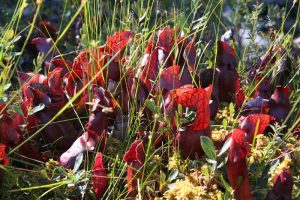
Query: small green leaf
[[190, 115], [162, 180], [186, 30], [174, 173], [163, 129], [180, 110], [225, 147], [200, 23], [18, 110], [6, 86], [227, 195], [240, 180], [214, 162], [231, 109], [16, 39], [45, 174], [205, 171], [142, 17], [226, 185], [150, 105], [36, 109], [9, 34], [222, 163], [225, 123], [78, 162], [208, 147], [219, 196], [62, 171]]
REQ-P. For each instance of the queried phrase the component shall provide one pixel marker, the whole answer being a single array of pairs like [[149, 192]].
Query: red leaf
[[97, 125], [118, 42], [44, 45], [170, 103], [261, 64], [55, 80], [81, 144], [239, 98], [227, 84], [98, 122], [99, 178], [263, 89], [281, 96], [179, 91], [2, 108], [166, 39], [182, 43], [81, 61], [111, 71], [91, 62], [197, 98], [239, 147], [150, 45], [3, 157], [73, 82], [28, 150], [239, 95], [157, 53], [95, 65], [150, 70], [207, 77], [139, 90], [186, 77], [279, 104], [252, 121], [169, 78], [189, 54], [24, 77], [283, 186], [61, 63], [236, 165], [237, 172], [48, 29], [226, 64], [96, 129], [4, 160], [225, 56], [62, 131], [135, 152], [9, 128], [35, 81], [135, 158], [39, 97], [189, 143]]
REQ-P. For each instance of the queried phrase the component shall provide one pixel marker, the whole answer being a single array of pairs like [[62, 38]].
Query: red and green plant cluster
[[174, 110]]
